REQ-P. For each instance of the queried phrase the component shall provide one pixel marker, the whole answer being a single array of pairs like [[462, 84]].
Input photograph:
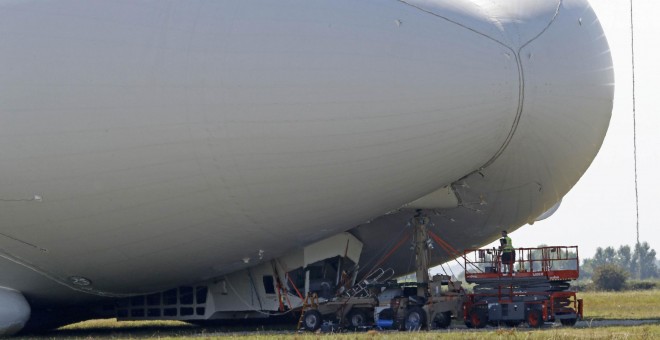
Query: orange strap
[[448, 248], [294, 287], [396, 246]]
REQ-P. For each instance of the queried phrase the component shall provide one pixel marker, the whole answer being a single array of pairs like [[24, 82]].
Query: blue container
[[385, 323]]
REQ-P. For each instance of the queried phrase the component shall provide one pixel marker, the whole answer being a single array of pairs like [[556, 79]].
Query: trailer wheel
[[415, 319], [568, 322], [442, 320], [312, 320], [356, 318], [477, 318], [535, 318]]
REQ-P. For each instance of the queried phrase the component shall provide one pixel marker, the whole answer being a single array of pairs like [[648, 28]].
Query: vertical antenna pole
[[632, 50]]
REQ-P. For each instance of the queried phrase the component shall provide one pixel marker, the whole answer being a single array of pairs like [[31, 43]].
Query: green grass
[[597, 305], [651, 331], [643, 304]]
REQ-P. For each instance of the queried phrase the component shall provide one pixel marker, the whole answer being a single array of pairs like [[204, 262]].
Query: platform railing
[[539, 261]]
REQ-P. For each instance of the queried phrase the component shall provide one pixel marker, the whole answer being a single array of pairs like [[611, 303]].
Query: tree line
[[638, 262]]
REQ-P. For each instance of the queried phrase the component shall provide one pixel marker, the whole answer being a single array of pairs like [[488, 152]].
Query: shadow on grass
[[111, 329], [120, 332]]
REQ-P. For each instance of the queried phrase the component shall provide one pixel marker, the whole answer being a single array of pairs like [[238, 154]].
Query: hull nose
[[566, 94], [566, 89], [566, 101]]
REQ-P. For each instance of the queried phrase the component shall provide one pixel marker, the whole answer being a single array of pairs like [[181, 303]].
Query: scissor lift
[[537, 291]]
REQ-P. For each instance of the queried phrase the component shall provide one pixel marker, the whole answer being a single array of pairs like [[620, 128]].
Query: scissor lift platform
[[535, 291]]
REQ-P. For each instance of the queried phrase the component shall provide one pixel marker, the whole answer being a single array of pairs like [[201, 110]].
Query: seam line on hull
[[521, 95], [521, 79], [23, 242], [13, 258]]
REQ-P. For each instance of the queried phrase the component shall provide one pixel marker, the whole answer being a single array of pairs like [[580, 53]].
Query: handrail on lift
[[538, 261]]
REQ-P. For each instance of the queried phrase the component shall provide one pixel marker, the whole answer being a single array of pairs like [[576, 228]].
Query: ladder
[[379, 275], [311, 301]]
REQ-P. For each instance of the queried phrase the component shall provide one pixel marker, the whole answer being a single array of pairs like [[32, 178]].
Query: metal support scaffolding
[[422, 241]]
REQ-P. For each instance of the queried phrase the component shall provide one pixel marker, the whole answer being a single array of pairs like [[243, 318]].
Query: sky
[[600, 209]]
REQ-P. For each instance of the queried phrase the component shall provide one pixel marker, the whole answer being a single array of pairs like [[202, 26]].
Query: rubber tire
[[568, 322], [356, 318], [415, 319], [535, 318], [442, 320], [477, 318], [312, 320]]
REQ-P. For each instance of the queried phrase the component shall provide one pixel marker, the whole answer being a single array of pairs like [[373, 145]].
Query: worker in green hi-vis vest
[[508, 253]]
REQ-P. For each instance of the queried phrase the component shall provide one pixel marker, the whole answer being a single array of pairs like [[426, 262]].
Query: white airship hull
[[149, 144]]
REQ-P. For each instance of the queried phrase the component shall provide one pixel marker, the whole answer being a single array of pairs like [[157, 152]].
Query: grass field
[[644, 304], [631, 305], [172, 332]]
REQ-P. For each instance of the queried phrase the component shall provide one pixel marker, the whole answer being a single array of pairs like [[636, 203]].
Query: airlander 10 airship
[[181, 159]]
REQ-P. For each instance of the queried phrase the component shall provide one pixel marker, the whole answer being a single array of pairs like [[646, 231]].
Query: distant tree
[[609, 277], [604, 256], [624, 258], [640, 264], [587, 268], [643, 262]]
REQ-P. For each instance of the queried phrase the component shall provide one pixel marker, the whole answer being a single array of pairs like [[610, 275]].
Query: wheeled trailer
[[343, 312]]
